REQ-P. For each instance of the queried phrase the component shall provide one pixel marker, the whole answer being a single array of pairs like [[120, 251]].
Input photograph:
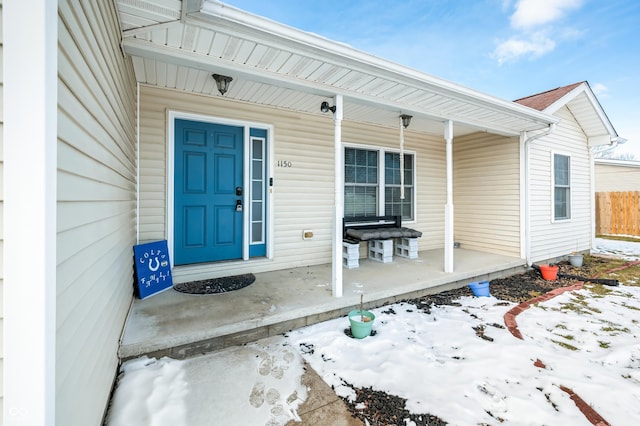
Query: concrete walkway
[[322, 406]]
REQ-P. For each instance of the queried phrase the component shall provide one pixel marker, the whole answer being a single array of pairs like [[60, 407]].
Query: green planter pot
[[360, 329]]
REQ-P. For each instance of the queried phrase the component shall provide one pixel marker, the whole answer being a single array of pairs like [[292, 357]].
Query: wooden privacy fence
[[617, 213]]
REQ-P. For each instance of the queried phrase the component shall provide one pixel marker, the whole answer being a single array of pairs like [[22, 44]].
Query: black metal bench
[[379, 231]]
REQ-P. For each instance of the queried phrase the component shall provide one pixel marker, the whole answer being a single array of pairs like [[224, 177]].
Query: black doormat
[[216, 285]]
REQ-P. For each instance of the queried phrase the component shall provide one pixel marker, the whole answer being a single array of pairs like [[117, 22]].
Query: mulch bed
[[215, 285], [381, 409]]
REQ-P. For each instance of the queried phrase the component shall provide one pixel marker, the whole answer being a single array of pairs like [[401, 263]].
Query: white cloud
[[535, 13], [510, 50], [536, 36]]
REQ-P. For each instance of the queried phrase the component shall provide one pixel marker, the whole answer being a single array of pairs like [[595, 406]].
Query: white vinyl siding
[[486, 193], [1, 221], [303, 194], [96, 181], [550, 238]]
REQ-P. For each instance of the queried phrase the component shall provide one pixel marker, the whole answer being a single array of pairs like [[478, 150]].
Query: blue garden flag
[[153, 268]]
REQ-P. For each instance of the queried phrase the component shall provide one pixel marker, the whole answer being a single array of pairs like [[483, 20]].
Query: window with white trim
[[561, 187], [393, 204], [372, 183]]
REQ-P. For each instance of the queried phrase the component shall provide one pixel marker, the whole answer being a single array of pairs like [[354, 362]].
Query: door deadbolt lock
[[238, 205], [238, 191]]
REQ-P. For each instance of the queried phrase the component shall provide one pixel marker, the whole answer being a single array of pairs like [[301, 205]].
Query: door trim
[[170, 173]]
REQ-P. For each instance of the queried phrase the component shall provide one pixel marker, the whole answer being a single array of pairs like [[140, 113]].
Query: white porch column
[[338, 199], [30, 36], [448, 208]]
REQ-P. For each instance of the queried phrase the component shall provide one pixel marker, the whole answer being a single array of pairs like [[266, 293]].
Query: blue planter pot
[[480, 289], [361, 329]]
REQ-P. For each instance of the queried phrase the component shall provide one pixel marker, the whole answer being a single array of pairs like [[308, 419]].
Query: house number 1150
[[283, 163]]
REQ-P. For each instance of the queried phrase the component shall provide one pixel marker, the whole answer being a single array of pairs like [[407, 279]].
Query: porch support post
[[30, 72], [448, 209], [338, 196]]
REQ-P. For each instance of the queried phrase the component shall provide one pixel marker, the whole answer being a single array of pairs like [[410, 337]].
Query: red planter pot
[[549, 272]]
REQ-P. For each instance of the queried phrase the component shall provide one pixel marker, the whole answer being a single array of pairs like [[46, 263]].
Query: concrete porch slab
[[180, 325]]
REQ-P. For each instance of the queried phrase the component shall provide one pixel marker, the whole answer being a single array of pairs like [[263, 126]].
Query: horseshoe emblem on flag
[[151, 267]]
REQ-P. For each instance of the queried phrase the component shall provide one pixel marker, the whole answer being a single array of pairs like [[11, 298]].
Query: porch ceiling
[[179, 45]]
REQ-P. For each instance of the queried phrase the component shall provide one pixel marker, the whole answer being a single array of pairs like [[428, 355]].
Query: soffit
[[583, 105], [591, 118], [280, 67]]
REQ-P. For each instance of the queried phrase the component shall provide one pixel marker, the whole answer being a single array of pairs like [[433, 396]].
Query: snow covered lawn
[[459, 363], [588, 342]]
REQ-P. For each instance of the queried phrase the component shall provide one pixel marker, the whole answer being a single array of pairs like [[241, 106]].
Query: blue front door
[[208, 192]]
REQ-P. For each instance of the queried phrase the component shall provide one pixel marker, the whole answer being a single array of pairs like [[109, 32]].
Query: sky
[[505, 48], [411, 355]]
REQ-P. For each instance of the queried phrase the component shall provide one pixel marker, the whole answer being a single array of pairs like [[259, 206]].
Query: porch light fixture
[[406, 120], [324, 107], [222, 81]]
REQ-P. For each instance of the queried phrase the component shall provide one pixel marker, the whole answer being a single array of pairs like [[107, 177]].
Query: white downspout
[[592, 195], [527, 195], [338, 199], [448, 208]]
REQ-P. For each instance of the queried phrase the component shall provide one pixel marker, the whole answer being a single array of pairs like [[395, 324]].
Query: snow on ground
[[622, 249], [254, 384], [153, 389], [588, 342], [438, 363]]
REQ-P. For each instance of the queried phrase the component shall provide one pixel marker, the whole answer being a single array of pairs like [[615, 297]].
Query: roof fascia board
[[620, 163], [341, 54], [163, 53]]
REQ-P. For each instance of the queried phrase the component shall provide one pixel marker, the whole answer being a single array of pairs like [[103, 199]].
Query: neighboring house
[[617, 175], [617, 188], [117, 154]]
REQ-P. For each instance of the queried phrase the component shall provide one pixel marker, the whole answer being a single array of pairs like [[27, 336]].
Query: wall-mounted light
[[324, 107], [222, 81], [406, 120]]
